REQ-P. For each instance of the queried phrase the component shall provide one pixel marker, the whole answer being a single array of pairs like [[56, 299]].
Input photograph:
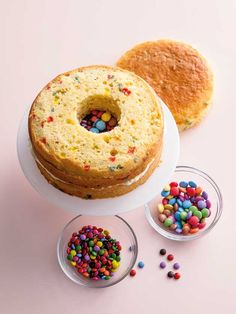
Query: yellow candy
[[73, 252], [160, 208], [70, 121], [168, 206], [106, 116], [106, 232], [169, 197], [99, 244], [114, 270], [115, 264], [167, 188], [92, 257], [73, 263]]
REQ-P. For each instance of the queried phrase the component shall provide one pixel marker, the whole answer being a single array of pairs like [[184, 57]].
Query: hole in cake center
[[99, 113]]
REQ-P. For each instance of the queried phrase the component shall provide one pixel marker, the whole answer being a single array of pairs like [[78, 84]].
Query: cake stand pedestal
[[110, 206]]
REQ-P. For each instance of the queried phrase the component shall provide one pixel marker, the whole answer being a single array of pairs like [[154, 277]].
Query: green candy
[[183, 215], [205, 212], [198, 214], [113, 255], [101, 252], [110, 258], [94, 253], [69, 257], [168, 222], [91, 243], [107, 277], [117, 258], [114, 248], [78, 248], [90, 249], [193, 209], [89, 270]]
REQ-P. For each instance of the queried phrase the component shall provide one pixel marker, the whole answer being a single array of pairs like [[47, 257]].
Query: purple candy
[[189, 214], [162, 265], [176, 266], [82, 237], [205, 195], [86, 257], [208, 204], [181, 198], [209, 213], [178, 230], [198, 198], [201, 204], [96, 248], [193, 199]]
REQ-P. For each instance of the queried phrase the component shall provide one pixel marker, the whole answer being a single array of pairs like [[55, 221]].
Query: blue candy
[[183, 184], [165, 193], [94, 130], [179, 202], [140, 264], [172, 201], [177, 216], [192, 184], [73, 246], [187, 204], [100, 125], [180, 209]]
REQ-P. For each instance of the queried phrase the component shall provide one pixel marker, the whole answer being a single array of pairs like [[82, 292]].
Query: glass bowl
[[184, 173], [119, 229]]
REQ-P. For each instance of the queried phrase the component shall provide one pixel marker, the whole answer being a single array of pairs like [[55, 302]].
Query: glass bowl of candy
[[97, 252], [188, 207]]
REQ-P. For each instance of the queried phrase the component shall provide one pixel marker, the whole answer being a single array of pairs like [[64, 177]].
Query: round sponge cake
[[178, 74], [87, 164]]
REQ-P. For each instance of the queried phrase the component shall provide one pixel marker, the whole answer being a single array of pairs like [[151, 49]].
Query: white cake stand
[[109, 206]]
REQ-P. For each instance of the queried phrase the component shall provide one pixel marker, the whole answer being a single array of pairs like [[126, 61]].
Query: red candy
[[191, 191], [177, 275], [174, 191], [193, 221], [173, 184], [132, 273], [170, 257]]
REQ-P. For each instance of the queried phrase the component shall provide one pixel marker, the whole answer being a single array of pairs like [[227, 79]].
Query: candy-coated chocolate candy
[[167, 212], [172, 201], [162, 217], [205, 212], [205, 195], [168, 222], [165, 193], [160, 208], [193, 230], [168, 206], [170, 274], [106, 116], [183, 184], [170, 257], [173, 226], [177, 216], [193, 209], [190, 191], [192, 184], [201, 225], [162, 265], [100, 125], [174, 191], [94, 130], [177, 276], [193, 221], [208, 204], [201, 204], [185, 230], [198, 214], [140, 264], [162, 252], [187, 204], [178, 230], [132, 273], [176, 266], [173, 184], [183, 215], [167, 187]]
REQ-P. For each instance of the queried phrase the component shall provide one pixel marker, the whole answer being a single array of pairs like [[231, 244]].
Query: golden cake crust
[[179, 75], [72, 154]]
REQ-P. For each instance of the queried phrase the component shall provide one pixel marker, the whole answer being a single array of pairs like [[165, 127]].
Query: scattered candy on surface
[[170, 257], [140, 264], [170, 274], [184, 207], [94, 253], [132, 273], [176, 266], [99, 121], [163, 251], [162, 265], [177, 275]]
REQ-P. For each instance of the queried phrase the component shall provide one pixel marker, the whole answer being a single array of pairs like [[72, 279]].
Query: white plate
[[108, 206]]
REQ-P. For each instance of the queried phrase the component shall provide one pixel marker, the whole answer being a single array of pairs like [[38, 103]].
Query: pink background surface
[[40, 39]]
